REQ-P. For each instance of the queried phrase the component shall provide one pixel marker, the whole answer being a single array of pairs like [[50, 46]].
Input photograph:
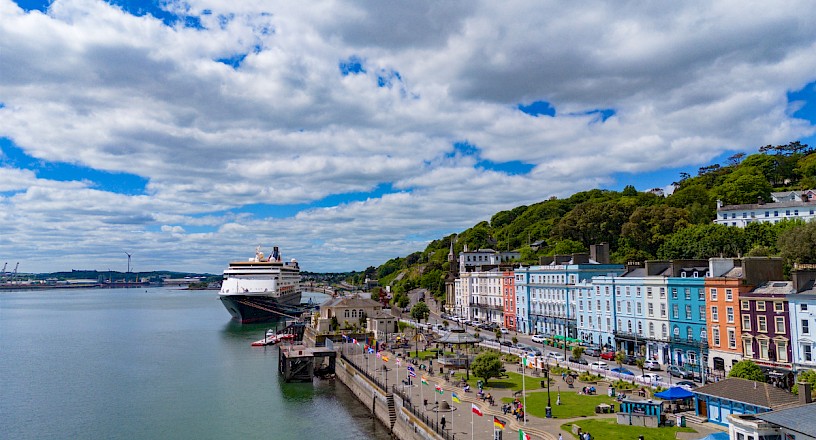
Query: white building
[[784, 207], [802, 311], [479, 296]]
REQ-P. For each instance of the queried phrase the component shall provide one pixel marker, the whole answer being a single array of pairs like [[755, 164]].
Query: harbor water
[[153, 364]]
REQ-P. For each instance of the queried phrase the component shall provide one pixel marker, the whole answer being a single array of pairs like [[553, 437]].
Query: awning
[[675, 393]]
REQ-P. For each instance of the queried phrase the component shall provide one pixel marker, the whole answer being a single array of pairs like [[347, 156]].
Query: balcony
[[689, 341], [487, 307]]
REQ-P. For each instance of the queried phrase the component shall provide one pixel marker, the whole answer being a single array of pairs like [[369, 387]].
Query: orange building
[[509, 293], [728, 279]]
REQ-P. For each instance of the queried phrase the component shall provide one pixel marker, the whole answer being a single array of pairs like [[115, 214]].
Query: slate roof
[[771, 288], [798, 418], [744, 390], [354, 302]]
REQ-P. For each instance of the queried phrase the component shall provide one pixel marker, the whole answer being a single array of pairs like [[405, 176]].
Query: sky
[[187, 133]]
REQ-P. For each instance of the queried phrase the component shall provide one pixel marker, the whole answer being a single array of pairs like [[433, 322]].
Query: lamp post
[[549, 404]]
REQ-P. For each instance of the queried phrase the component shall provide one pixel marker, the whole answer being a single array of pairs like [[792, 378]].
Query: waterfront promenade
[[460, 421]]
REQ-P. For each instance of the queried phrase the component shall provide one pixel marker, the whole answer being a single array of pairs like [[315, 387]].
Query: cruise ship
[[261, 288]]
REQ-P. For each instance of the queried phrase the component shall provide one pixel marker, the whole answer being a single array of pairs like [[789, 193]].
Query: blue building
[[687, 314], [546, 295], [717, 400]]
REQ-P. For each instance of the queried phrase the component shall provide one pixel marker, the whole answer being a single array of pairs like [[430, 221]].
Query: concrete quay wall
[[389, 408]]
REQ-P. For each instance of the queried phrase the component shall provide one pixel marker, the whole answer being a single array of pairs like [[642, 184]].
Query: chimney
[[760, 201], [580, 258], [599, 253], [803, 197], [805, 395], [803, 276]]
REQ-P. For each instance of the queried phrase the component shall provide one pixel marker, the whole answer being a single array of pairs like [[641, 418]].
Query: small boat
[[271, 338]]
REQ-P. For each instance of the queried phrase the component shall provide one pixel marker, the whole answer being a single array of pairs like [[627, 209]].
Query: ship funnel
[[275, 254]]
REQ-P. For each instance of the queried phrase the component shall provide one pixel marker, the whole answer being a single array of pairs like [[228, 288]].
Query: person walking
[[442, 422], [560, 437]]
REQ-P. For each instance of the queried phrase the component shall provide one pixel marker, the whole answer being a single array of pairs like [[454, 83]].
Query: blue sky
[[189, 132]]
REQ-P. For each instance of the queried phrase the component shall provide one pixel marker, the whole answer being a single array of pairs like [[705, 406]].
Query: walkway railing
[[407, 403]]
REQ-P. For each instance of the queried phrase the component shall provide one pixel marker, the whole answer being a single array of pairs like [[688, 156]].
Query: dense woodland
[[638, 226]]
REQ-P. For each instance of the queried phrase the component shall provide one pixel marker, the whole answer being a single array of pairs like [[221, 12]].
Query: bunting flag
[[370, 350], [424, 381], [439, 389], [385, 358], [455, 398], [378, 355], [399, 362], [354, 341], [523, 435], [498, 423], [475, 409], [411, 373]]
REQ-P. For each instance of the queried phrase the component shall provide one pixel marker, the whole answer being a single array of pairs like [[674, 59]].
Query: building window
[[746, 323], [688, 311], [780, 324], [639, 308], [689, 334], [662, 292], [637, 291], [760, 306], [781, 351], [687, 291], [640, 328], [651, 309], [715, 336], [732, 338], [665, 331], [747, 347], [663, 310], [648, 292], [675, 311], [779, 306], [763, 349], [713, 293], [745, 305], [715, 315], [806, 353], [651, 330], [674, 293], [729, 314], [629, 326], [762, 324], [803, 307], [345, 313], [702, 313], [628, 307], [729, 295], [805, 328], [701, 294]]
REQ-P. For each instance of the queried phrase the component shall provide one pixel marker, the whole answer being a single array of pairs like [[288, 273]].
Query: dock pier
[[300, 363]]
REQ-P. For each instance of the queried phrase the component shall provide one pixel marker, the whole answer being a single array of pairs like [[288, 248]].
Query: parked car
[[538, 338], [593, 351], [676, 371], [650, 378], [651, 366], [580, 361], [631, 359], [622, 371], [599, 365], [506, 343], [504, 331], [555, 355], [608, 355], [687, 384]]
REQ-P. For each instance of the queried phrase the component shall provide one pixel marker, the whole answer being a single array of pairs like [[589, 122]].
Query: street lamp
[[549, 405]]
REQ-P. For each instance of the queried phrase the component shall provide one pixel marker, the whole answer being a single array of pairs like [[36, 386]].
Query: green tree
[[746, 185], [747, 370], [486, 365], [640, 362], [649, 226], [619, 357], [420, 311], [703, 241], [798, 244], [577, 352], [806, 376]]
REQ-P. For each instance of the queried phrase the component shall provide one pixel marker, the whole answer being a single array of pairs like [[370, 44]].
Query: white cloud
[[91, 85]]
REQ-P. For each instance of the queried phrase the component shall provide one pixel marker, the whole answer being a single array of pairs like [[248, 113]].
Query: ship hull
[[253, 308]]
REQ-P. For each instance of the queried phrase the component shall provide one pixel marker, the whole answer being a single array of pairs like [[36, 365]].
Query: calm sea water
[[154, 364]]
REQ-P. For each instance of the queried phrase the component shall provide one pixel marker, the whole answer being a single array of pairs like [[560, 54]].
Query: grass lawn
[[608, 429], [511, 382], [572, 404]]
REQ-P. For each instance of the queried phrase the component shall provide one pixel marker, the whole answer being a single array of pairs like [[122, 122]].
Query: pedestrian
[[560, 437], [442, 422]]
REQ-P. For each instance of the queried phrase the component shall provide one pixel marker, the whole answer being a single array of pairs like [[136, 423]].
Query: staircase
[[691, 417], [392, 412]]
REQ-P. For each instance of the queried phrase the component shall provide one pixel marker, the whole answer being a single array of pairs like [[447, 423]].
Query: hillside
[[637, 225]]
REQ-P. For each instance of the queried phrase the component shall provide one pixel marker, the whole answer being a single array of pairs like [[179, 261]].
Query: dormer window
[[695, 274]]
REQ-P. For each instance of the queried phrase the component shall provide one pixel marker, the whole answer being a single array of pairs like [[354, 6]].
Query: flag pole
[[523, 388], [471, 425]]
